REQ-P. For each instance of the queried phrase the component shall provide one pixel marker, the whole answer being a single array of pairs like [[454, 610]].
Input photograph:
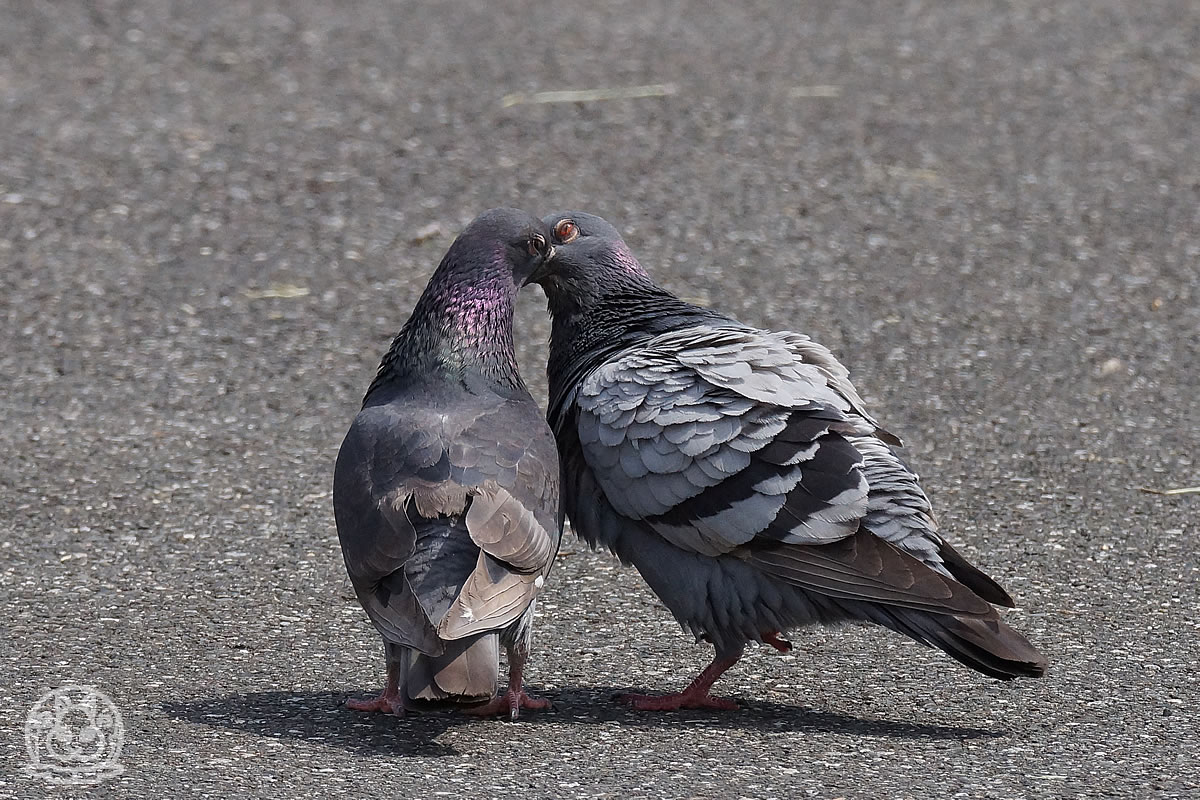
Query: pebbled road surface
[[214, 215]]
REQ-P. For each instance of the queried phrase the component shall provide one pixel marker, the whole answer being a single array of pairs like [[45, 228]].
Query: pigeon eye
[[566, 230], [537, 244]]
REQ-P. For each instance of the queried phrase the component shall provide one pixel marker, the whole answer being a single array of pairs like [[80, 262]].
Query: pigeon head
[[472, 292], [589, 261], [499, 242], [600, 297], [462, 323]]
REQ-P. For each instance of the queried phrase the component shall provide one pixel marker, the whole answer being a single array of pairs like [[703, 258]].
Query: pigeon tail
[[973, 578], [466, 672], [985, 644]]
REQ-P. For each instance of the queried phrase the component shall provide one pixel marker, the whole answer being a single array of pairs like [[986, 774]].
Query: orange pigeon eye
[[566, 230]]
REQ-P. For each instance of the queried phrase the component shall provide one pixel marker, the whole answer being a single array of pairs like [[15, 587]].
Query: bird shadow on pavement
[[592, 704], [321, 717]]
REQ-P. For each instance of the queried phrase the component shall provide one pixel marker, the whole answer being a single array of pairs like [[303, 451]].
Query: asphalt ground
[[213, 216]]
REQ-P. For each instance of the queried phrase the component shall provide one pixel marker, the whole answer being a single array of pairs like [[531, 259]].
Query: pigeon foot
[[388, 704], [695, 695], [772, 638], [511, 703], [516, 698], [678, 701]]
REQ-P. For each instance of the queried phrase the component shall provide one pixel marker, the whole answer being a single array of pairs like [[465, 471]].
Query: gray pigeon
[[446, 489], [739, 472]]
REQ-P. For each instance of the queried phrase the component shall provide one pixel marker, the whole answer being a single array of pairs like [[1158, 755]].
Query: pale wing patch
[[444, 498], [503, 527], [837, 376], [898, 510], [515, 553], [492, 597]]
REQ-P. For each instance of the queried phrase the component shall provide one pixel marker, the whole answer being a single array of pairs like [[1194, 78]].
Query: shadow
[[592, 704], [323, 717], [320, 717]]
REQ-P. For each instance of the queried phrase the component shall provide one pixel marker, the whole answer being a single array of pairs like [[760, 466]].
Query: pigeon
[[446, 488], [738, 470]]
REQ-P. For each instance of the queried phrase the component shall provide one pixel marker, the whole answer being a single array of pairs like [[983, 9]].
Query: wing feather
[[709, 434], [515, 555], [732, 440]]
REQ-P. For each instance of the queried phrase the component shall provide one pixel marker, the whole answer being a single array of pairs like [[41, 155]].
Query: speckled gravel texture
[[213, 215]]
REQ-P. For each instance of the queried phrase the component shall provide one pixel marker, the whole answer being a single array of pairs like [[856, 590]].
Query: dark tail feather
[[466, 672], [973, 579], [985, 644]]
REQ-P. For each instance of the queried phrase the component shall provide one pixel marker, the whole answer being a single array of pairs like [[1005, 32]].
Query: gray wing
[[447, 522], [716, 437], [377, 537], [744, 442]]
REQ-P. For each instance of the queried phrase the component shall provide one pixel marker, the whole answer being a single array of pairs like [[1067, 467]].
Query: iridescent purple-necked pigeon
[[739, 472], [446, 489]]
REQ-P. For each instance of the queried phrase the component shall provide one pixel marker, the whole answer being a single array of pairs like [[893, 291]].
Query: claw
[[388, 705]]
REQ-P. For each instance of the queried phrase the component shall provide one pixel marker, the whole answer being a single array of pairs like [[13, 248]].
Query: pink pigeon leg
[[390, 702], [694, 696], [516, 698]]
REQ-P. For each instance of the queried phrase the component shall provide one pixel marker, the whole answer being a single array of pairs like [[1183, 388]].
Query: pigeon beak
[[541, 269]]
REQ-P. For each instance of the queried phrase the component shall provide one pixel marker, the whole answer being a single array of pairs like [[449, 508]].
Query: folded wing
[[755, 444]]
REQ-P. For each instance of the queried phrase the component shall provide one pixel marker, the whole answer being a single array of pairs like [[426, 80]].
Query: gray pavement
[[214, 215]]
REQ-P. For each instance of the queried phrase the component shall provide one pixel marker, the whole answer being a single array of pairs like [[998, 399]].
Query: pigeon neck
[[586, 334], [461, 329]]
